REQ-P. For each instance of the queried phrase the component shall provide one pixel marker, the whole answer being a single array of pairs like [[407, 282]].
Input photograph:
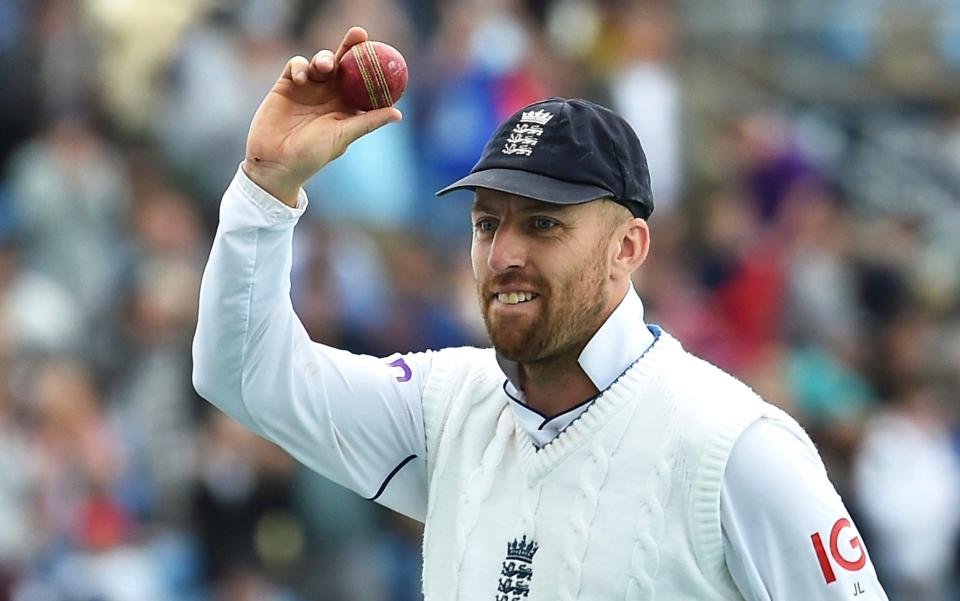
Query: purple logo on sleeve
[[407, 374]]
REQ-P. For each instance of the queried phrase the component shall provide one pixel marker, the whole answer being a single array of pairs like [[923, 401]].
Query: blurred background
[[806, 167]]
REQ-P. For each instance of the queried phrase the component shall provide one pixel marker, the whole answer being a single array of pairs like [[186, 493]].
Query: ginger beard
[[566, 314]]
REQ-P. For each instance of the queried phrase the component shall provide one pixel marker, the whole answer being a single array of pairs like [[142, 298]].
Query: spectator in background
[[770, 164], [242, 505], [822, 296], [236, 48], [81, 460], [70, 194], [646, 92], [824, 323], [154, 402], [420, 316], [37, 314], [907, 476], [483, 66], [83, 535], [135, 43]]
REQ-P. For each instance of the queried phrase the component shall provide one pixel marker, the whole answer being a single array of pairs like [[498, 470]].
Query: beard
[[569, 311]]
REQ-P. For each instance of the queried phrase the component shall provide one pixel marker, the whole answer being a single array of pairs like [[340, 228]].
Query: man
[[586, 456]]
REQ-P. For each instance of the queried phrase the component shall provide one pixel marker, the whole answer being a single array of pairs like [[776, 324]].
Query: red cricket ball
[[372, 75]]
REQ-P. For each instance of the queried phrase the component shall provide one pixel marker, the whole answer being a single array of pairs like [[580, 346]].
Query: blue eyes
[[542, 223], [539, 224], [484, 225]]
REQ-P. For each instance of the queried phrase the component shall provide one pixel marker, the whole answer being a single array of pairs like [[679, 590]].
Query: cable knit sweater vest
[[623, 504]]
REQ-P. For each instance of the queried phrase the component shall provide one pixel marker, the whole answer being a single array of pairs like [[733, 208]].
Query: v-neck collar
[[617, 396]]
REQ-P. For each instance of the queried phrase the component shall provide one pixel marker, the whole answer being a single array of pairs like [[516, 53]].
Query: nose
[[507, 251]]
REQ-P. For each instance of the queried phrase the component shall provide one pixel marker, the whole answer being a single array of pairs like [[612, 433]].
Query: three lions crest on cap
[[526, 133]]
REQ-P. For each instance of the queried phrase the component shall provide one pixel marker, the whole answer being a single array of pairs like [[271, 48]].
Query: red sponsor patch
[[851, 564]]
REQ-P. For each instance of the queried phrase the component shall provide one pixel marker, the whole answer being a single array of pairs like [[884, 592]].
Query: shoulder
[[460, 371], [716, 413], [705, 395], [719, 409], [771, 460], [456, 365], [706, 380]]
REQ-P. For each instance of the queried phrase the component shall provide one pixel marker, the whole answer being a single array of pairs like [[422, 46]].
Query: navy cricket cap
[[565, 152]]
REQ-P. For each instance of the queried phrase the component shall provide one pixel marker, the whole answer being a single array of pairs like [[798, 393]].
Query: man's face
[[542, 273]]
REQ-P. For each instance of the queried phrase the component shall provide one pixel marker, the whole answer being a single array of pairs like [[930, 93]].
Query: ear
[[632, 244]]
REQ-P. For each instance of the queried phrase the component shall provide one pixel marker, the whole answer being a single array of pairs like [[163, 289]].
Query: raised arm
[[303, 123], [355, 419]]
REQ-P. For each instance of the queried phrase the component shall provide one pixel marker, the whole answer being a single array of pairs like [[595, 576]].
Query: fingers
[[321, 66], [360, 125], [354, 36], [296, 69]]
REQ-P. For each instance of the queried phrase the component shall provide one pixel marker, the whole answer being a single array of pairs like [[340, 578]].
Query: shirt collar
[[613, 348], [616, 345]]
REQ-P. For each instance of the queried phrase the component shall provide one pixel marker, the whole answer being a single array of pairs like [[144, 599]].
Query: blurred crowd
[[807, 181]]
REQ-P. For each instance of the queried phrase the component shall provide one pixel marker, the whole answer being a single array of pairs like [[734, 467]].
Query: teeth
[[513, 298]]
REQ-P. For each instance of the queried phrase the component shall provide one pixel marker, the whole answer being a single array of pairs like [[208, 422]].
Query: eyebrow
[[480, 206]]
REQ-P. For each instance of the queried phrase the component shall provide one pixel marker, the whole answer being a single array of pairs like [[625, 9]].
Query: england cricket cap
[[565, 152]]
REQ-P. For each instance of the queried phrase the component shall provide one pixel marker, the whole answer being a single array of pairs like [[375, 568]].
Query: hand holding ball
[[316, 110], [372, 75]]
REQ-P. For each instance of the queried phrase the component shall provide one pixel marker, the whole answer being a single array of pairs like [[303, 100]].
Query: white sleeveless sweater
[[623, 504]]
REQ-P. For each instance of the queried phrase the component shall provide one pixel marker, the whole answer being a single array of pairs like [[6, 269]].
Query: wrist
[[276, 181]]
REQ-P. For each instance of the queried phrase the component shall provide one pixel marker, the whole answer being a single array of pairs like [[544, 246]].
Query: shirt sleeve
[[787, 534], [355, 419]]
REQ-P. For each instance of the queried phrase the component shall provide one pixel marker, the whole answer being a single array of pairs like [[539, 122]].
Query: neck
[[555, 386], [558, 384]]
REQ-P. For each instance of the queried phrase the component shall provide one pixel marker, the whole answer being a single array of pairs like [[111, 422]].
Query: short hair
[[614, 214]]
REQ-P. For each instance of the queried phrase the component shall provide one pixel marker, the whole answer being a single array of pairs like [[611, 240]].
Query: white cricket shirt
[[358, 420]]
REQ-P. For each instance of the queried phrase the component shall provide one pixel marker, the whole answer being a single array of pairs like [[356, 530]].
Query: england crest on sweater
[[517, 570], [623, 504]]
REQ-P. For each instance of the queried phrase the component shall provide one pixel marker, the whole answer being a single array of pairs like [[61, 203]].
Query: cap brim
[[531, 185]]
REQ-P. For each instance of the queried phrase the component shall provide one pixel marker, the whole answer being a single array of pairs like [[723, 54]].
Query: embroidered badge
[[526, 133], [517, 570]]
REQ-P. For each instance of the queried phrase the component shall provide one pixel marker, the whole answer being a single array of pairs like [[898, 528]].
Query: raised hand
[[303, 123]]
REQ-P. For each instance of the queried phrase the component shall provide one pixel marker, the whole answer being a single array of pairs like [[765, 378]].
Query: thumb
[[360, 125]]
